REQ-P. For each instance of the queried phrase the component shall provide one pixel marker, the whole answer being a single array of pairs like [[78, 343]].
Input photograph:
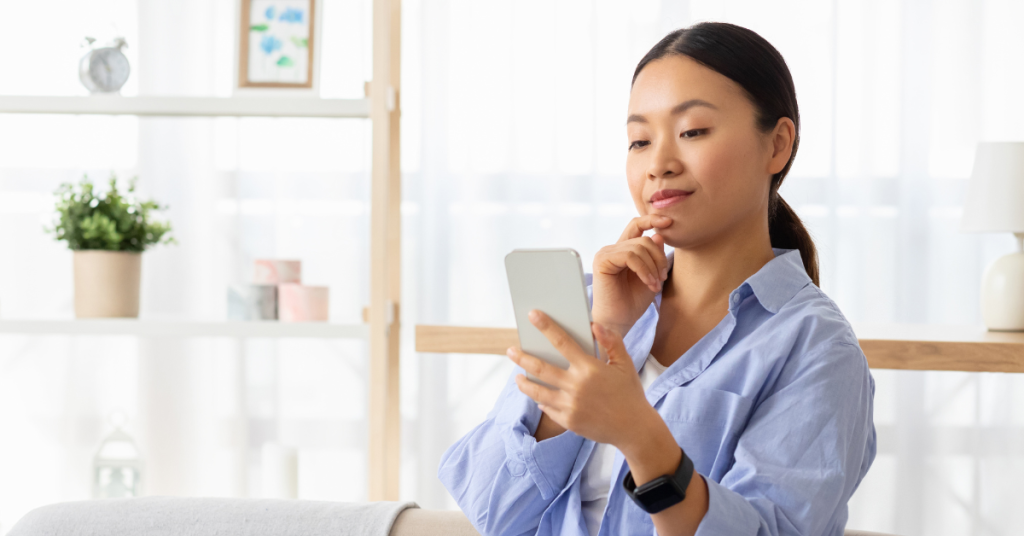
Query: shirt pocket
[[707, 423]]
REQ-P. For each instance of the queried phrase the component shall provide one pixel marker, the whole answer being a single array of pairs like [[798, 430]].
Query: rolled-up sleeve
[[502, 478], [803, 452]]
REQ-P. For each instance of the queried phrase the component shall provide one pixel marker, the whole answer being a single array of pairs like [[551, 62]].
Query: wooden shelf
[[899, 346], [177, 328], [938, 347], [187, 106], [464, 340]]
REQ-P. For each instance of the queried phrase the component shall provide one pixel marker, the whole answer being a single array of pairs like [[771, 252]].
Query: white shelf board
[[187, 106], [179, 328]]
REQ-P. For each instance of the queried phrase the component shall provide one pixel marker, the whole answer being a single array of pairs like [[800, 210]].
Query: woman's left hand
[[602, 401]]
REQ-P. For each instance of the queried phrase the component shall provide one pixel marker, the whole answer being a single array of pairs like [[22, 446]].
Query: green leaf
[[301, 43], [258, 28], [111, 222], [285, 61]]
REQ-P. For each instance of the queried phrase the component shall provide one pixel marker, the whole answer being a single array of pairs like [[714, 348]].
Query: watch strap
[[662, 492]]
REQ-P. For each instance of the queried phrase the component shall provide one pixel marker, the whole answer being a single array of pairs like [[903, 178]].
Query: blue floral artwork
[[291, 15], [269, 44], [279, 36]]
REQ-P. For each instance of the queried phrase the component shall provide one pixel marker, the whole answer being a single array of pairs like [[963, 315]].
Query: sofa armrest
[[417, 522]]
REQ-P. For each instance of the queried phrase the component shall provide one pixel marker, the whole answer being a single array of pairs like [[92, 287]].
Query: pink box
[[276, 272], [299, 303]]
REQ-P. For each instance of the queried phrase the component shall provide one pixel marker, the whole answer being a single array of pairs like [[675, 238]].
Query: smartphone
[[551, 281]]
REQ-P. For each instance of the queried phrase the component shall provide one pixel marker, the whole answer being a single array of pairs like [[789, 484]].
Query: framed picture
[[276, 43]]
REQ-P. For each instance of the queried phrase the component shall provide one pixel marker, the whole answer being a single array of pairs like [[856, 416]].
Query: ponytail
[[752, 62], [787, 232]]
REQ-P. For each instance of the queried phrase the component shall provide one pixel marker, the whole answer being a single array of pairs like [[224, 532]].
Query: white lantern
[[117, 467]]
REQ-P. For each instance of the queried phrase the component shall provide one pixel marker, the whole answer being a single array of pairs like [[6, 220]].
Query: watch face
[[108, 69], [659, 494]]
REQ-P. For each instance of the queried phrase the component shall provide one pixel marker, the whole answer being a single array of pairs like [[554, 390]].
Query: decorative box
[[252, 302], [276, 272], [299, 303]]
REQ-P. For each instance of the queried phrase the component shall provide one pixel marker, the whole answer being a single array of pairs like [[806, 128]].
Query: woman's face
[[696, 154]]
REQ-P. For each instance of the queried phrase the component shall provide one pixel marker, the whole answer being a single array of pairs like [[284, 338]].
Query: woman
[[735, 398]]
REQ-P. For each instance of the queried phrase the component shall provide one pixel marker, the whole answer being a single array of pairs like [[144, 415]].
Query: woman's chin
[[679, 238]]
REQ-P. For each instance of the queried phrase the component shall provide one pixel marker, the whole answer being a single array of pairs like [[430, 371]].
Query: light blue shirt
[[773, 405]]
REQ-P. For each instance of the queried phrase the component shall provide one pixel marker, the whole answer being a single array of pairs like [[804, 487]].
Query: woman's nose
[[666, 161]]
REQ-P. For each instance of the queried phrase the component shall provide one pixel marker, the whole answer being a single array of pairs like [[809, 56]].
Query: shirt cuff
[[728, 513], [548, 462]]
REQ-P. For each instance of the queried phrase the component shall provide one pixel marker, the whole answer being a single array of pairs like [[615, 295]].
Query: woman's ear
[[782, 144]]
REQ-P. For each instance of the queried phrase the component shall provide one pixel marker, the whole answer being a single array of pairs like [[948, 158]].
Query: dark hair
[[752, 62]]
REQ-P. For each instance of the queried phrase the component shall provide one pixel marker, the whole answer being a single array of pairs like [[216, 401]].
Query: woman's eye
[[638, 144], [693, 133]]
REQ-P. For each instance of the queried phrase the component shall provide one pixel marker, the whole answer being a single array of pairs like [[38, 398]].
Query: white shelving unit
[[382, 328], [188, 106], [185, 328]]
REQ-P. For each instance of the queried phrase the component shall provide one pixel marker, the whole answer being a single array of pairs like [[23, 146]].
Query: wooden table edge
[[881, 353]]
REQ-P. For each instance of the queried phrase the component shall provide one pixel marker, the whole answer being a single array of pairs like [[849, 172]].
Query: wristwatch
[[662, 492]]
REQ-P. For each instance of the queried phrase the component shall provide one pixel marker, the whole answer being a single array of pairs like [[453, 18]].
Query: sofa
[[172, 516]]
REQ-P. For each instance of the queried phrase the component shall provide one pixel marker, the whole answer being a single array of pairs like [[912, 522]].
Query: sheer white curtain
[[512, 137]]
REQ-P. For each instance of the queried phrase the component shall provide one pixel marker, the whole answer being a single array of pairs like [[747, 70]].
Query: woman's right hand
[[629, 273]]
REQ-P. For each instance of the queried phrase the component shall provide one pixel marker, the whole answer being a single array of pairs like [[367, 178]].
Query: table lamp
[[995, 203]]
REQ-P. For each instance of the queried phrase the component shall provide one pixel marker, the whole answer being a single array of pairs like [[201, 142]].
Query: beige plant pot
[[107, 284]]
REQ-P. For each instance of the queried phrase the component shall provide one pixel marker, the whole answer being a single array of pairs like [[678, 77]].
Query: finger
[[636, 227], [540, 369], [555, 413], [612, 345], [559, 338], [657, 252], [537, 392], [658, 239], [640, 262], [660, 242], [640, 256]]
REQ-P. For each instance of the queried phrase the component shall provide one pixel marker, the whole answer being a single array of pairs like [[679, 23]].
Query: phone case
[[552, 281]]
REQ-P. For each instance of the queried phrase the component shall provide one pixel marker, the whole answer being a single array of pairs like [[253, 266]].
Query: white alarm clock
[[106, 69]]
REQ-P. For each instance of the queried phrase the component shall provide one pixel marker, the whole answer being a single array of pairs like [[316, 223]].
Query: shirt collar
[[773, 285], [779, 280]]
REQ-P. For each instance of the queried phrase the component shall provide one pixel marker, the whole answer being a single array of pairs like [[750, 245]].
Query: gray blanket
[[159, 516]]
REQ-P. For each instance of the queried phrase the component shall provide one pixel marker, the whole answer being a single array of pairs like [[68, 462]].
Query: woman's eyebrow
[[678, 109]]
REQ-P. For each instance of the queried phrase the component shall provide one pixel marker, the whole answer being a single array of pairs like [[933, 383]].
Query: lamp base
[[1002, 294]]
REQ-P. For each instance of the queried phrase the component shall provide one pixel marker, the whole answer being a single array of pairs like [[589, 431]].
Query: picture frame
[[277, 44]]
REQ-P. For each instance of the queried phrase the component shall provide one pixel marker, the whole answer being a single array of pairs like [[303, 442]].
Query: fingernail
[[536, 318], [510, 352], [600, 330], [664, 274]]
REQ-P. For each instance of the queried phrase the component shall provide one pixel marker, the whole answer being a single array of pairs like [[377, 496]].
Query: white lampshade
[[995, 197]]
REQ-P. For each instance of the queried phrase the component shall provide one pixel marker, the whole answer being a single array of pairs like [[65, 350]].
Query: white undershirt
[[595, 480]]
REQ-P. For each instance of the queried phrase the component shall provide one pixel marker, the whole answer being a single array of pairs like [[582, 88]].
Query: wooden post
[[385, 249]]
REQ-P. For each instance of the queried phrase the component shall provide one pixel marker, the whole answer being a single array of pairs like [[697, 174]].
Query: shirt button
[[735, 299]]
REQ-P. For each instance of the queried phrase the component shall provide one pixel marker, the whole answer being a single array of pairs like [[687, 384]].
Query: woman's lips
[[664, 198]]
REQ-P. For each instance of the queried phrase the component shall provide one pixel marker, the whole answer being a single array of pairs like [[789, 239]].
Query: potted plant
[[108, 234]]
